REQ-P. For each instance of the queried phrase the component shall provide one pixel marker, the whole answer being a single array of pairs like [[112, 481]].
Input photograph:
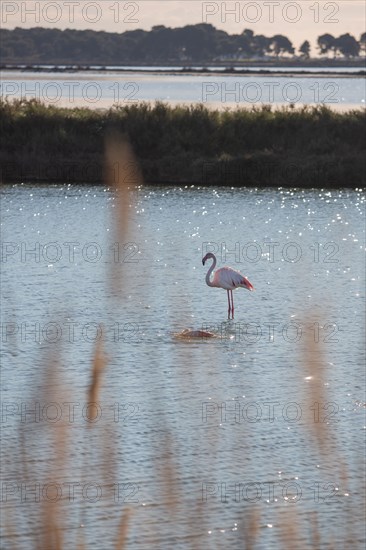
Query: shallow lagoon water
[[98, 90], [201, 433]]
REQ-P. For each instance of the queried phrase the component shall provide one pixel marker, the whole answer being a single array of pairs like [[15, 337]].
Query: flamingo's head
[[208, 256], [248, 284]]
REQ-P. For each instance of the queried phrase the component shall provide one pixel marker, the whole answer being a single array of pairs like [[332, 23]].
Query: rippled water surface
[[203, 439]]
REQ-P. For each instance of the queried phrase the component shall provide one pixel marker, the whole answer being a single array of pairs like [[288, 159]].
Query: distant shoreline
[[204, 71]]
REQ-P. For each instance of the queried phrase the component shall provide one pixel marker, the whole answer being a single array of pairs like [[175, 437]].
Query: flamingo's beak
[[203, 262], [249, 285]]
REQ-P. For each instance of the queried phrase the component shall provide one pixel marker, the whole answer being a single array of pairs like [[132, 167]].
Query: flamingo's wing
[[228, 278]]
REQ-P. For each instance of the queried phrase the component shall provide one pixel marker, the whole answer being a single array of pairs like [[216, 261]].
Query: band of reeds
[[312, 147]]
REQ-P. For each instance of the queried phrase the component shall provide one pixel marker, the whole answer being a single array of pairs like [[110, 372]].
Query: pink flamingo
[[226, 278]]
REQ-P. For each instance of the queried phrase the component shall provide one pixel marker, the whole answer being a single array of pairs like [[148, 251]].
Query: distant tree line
[[192, 43]]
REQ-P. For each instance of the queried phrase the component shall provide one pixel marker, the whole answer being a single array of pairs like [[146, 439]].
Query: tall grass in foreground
[[49, 533], [291, 147]]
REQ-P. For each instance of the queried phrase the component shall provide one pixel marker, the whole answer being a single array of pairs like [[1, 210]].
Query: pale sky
[[305, 19]]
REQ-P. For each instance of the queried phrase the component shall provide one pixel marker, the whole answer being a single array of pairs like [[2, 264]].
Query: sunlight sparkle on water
[[154, 372]]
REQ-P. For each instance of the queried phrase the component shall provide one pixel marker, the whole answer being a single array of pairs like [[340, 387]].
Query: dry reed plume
[[119, 165]]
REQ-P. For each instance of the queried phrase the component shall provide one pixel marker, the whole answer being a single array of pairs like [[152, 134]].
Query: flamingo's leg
[[232, 304], [229, 310]]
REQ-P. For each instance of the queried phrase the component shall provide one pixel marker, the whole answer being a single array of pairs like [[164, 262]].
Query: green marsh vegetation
[[288, 147]]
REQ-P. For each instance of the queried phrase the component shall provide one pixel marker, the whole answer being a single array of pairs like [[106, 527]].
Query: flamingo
[[226, 278]]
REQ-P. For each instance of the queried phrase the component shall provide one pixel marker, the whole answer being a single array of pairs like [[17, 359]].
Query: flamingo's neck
[[208, 275]]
